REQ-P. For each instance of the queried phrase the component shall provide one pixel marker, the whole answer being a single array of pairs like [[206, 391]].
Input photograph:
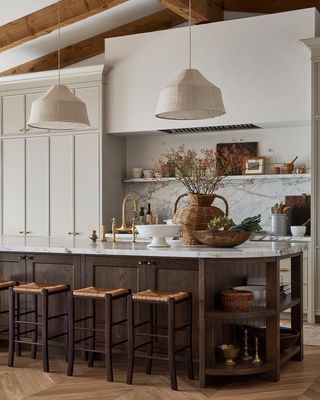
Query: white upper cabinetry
[[259, 64], [51, 181]]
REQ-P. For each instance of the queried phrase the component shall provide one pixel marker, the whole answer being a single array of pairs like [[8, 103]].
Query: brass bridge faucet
[[124, 227]]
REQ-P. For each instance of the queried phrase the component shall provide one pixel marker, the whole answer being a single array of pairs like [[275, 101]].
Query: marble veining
[[125, 248], [246, 197]]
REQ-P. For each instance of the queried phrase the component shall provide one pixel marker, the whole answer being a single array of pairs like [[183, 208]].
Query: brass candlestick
[[113, 229], [257, 359], [245, 356], [103, 233]]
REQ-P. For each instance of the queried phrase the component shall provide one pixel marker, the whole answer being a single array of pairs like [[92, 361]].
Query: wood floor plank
[[26, 381]]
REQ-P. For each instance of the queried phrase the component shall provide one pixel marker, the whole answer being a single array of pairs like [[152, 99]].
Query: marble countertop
[[123, 247], [272, 238]]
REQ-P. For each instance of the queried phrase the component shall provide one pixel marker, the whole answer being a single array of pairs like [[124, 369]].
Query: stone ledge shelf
[[227, 179]]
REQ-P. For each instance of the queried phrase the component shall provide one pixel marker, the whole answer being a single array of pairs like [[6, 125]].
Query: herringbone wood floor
[[27, 382]]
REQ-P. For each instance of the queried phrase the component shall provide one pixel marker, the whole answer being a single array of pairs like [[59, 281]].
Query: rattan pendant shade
[[59, 109], [190, 96]]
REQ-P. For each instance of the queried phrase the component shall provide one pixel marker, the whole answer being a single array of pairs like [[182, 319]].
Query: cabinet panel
[[61, 185], [90, 96], [37, 186], [87, 185], [30, 98], [13, 114], [13, 186]]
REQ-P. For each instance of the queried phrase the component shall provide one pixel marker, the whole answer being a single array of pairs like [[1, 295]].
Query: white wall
[[259, 63], [277, 144]]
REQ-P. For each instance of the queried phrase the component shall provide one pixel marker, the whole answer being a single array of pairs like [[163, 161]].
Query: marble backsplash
[[246, 196]]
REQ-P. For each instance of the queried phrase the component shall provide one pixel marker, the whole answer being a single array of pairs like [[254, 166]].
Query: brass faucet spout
[[124, 227]]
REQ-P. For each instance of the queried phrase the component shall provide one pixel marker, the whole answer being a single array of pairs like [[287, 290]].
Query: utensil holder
[[279, 224]]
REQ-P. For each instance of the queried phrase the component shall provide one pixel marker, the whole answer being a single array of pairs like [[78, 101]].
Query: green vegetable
[[250, 224], [220, 223]]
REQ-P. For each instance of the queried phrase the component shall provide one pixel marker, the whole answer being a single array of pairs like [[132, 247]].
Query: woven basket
[[222, 238], [196, 215], [237, 300]]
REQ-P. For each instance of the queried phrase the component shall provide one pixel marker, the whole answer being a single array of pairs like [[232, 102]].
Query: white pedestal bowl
[[158, 233]]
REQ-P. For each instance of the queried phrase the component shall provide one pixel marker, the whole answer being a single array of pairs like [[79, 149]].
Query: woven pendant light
[[190, 95], [58, 108]]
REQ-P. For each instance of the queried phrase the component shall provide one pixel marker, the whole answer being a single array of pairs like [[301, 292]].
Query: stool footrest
[[152, 357], [82, 319], [59, 335], [83, 339], [182, 349], [88, 329], [57, 316], [25, 332], [151, 335], [141, 324], [118, 343], [142, 345], [27, 322]]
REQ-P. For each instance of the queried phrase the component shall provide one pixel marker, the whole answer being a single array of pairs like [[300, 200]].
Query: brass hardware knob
[[150, 263], [22, 258], [141, 262], [29, 258]]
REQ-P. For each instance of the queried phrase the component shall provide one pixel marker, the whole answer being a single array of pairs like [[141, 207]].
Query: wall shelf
[[227, 179]]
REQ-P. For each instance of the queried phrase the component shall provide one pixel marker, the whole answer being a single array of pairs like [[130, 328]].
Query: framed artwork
[[242, 150], [253, 166]]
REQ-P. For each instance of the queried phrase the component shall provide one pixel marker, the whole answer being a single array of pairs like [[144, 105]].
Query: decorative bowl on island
[[158, 233], [216, 238]]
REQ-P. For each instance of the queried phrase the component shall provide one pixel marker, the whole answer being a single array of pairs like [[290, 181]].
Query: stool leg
[[130, 330], [108, 337], [93, 333], [171, 343], [149, 346], [45, 355], [17, 345], [65, 325], [11, 327], [70, 333], [189, 338], [35, 333]]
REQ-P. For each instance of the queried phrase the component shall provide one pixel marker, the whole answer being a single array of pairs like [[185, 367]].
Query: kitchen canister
[[279, 224]]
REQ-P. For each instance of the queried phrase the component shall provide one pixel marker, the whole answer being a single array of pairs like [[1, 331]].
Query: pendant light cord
[[190, 41], [59, 56]]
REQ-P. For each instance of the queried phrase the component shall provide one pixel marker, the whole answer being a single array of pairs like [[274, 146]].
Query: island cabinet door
[[114, 272], [54, 269], [12, 267], [175, 274]]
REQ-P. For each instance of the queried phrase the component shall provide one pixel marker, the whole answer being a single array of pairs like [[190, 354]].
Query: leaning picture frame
[[253, 166]]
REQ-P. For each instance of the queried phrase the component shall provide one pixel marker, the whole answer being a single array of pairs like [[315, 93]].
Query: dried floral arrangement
[[201, 172]]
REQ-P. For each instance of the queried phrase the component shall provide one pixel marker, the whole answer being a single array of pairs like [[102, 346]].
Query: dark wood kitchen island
[[203, 271]]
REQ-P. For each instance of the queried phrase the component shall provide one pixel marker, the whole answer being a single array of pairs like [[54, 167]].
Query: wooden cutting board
[[300, 210]]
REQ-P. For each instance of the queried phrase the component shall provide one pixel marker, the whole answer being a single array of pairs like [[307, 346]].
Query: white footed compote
[[158, 233]]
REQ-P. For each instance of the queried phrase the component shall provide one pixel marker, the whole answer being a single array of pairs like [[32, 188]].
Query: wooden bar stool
[[34, 289], [93, 294], [171, 300]]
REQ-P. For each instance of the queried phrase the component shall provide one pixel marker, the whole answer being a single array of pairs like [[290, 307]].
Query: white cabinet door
[[90, 96], [86, 183], [37, 186], [13, 114], [13, 186], [61, 185], [30, 98]]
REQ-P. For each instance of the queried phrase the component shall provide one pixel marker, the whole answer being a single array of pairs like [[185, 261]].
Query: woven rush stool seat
[[153, 299], [35, 290], [34, 287], [87, 324], [154, 295], [99, 293], [6, 284]]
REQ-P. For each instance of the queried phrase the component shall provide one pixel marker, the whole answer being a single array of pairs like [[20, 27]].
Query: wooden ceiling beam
[[45, 20], [269, 6], [202, 10], [95, 45]]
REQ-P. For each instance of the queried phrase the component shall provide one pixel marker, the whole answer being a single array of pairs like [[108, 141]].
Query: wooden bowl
[[288, 336], [215, 238]]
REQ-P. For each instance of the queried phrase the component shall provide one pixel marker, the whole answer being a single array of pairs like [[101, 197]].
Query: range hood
[[202, 129]]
